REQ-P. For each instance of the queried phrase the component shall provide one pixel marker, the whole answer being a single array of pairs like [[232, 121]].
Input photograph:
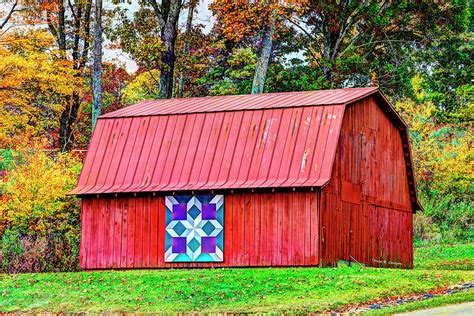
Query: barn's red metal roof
[[229, 142], [284, 147], [242, 102]]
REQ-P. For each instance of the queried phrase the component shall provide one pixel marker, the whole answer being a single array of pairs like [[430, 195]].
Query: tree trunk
[[78, 21], [168, 36], [66, 121], [263, 59], [97, 67], [189, 23]]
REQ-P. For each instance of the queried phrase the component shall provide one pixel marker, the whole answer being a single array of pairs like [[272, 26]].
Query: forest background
[[54, 83]]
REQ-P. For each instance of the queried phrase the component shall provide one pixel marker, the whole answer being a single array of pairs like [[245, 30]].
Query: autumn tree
[[150, 38], [445, 68], [34, 87], [70, 24], [115, 80], [257, 20]]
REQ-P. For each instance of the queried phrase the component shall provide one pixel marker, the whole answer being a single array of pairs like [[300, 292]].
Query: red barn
[[277, 179]]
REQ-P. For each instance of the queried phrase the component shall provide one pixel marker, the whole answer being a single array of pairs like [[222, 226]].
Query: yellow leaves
[[34, 196], [417, 84], [443, 153], [33, 85], [143, 86]]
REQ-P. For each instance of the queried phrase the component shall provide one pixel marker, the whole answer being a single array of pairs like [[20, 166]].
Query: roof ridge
[[242, 102]]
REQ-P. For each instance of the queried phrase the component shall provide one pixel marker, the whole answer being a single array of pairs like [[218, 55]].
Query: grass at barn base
[[234, 290]]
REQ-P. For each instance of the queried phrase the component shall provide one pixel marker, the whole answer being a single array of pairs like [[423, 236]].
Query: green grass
[[457, 298], [232, 290], [445, 256]]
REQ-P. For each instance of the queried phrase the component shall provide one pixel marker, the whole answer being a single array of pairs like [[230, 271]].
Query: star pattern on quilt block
[[194, 228]]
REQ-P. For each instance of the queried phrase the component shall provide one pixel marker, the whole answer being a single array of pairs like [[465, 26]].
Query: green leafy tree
[[359, 43]]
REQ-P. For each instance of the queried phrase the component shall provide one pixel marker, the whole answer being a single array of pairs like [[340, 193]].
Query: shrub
[[39, 222], [10, 248], [443, 155], [38, 253]]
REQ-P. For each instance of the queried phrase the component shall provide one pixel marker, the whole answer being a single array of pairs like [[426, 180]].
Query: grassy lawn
[[445, 257], [461, 297], [234, 290]]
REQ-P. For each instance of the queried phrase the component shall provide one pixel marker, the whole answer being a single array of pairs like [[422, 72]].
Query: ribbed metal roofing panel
[[242, 102], [247, 141], [281, 147]]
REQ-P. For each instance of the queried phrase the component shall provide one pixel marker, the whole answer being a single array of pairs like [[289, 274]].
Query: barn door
[[353, 227], [343, 233], [358, 233]]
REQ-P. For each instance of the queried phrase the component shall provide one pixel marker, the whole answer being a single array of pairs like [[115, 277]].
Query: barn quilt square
[[194, 228]]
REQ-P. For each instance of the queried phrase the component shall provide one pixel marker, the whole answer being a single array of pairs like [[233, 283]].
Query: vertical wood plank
[[101, 232], [268, 218], [138, 239], [131, 233], [298, 228], [94, 233], [146, 231], [286, 230], [161, 231], [109, 233], [117, 226], [314, 237], [257, 242], [279, 228], [85, 232], [249, 228], [239, 229], [124, 239], [228, 229], [154, 238]]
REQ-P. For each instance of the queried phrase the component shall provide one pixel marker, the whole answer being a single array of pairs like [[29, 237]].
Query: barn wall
[[260, 229], [366, 209]]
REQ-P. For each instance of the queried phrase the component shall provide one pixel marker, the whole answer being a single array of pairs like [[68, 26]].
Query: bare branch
[[157, 9], [86, 38], [378, 42], [7, 18], [72, 10], [301, 28]]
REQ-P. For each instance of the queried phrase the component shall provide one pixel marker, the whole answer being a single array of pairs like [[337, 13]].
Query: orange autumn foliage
[[240, 19]]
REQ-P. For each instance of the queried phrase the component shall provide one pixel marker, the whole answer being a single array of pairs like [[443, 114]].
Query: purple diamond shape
[[178, 245], [208, 244], [208, 211], [179, 212]]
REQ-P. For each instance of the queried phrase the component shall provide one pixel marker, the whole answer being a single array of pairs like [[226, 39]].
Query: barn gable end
[[367, 202]]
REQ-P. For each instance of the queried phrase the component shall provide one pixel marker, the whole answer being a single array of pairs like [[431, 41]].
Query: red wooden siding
[[260, 229], [366, 208]]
